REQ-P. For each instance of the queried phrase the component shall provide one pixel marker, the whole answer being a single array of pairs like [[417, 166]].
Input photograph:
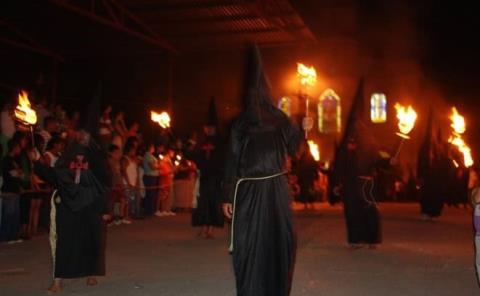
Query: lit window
[[378, 108], [329, 112]]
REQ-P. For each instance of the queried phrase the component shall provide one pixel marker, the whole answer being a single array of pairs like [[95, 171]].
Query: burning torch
[[314, 151], [459, 127], [406, 121], [25, 114], [308, 78], [163, 119]]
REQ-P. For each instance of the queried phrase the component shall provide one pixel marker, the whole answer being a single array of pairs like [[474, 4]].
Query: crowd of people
[[147, 178]]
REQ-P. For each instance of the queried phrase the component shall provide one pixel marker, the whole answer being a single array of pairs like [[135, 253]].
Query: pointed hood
[[356, 130], [256, 95], [212, 119], [423, 158]]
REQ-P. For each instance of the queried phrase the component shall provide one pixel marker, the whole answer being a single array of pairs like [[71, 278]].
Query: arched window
[[378, 108], [285, 104], [329, 112]]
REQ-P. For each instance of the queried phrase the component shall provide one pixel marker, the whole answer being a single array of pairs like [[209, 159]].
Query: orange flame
[[307, 75], [406, 119], [163, 119], [23, 111], [314, 150], [458, 122], [459, 127]]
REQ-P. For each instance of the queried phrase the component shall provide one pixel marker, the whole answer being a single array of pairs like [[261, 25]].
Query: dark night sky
[[452, 56]]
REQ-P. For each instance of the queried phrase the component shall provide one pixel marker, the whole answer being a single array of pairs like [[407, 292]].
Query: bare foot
[[55, 287], [209, 235], [91, 281], [354, 246]]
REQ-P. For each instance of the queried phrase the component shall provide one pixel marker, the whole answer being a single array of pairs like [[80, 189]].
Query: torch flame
[[163, 119], [459, 127], [314, 150], [307, 75], [23, 111], [406, 119], [458, 122]]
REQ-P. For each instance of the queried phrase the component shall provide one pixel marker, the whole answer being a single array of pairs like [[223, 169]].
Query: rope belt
[[239, 181]]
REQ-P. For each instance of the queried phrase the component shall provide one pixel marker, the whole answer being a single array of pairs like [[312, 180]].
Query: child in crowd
[[12, 179], [476, 222], [165, 196], [131, 178], [117, 193]]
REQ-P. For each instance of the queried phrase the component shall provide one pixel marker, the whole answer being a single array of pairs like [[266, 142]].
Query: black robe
[[361, 215], [435, 187], [77, 233], [307, 175], [210, 161], [263, 241]]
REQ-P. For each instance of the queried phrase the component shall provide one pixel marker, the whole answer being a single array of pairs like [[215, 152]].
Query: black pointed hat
[[212, 119], [257, 95]]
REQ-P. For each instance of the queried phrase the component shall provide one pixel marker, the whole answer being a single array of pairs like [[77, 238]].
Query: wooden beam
[[147, 35], [26, 42]]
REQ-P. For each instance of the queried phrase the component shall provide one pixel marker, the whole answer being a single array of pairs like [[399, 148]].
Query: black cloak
[[263, 236]]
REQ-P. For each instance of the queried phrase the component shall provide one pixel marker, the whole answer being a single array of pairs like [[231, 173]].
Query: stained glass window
[[378, 108], [329, 112]]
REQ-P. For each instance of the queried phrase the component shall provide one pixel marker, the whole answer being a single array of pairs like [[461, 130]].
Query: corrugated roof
[[200, 24]]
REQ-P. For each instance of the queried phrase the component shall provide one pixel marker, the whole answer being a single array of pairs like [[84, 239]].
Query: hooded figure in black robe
[[263, 241], [209, 157], [353, 177], [77, 231]]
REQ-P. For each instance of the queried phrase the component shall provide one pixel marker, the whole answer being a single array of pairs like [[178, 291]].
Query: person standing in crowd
[[54, 150], [150, 180], [117, 192], [256, 191], [131, 179], [120, 128], [50, 127], [209, 159], [6, 118], [475, 199], [307, 176], [12, 179], [166, 174], [78, 208], [105, 130]]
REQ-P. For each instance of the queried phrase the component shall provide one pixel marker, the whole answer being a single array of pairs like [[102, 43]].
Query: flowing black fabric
[[350, 167], [209, 158], [264, 238], [263, 234], [362, 217], [307, 175], [80, 232]]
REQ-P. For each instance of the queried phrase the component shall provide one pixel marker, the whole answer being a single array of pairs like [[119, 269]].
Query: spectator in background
[[166, 172], [6, 119], [150, 179], [133, 130], [117, 192], [50, 127], [11, 188], [54, 149], [131, 178], [42, 113], [106, 127], [120, 128]]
